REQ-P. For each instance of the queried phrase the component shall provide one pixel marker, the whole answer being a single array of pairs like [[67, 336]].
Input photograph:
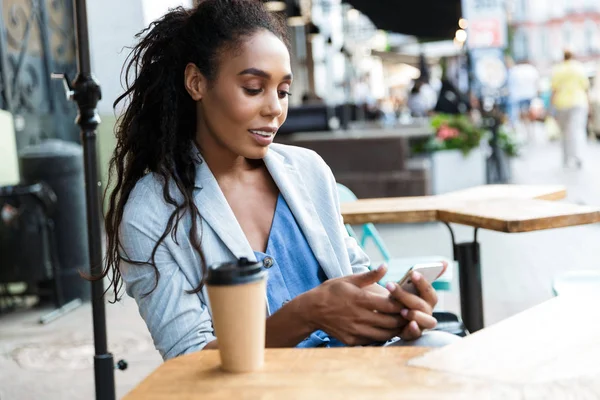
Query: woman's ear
[[195, 82]]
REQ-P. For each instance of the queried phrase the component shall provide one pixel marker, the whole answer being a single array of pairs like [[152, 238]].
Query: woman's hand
[[342, 308], [417, 309]]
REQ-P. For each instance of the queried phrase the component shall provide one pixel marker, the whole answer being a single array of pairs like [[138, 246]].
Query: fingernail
[[416, 277], [390, 286], [404, 312], [414, 326]]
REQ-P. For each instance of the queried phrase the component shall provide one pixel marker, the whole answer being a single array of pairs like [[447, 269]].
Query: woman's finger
[[376, 334], [424, 288], [423, 320], [409, 300], [411, 331], [386, 321], [381, 304]]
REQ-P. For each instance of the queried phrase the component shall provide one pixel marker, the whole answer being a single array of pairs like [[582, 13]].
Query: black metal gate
[[36, 39]]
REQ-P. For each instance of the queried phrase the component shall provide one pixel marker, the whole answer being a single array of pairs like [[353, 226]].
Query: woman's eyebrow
[[262, 74]]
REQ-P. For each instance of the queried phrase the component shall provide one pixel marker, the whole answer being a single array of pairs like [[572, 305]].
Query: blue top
[[293, 268]]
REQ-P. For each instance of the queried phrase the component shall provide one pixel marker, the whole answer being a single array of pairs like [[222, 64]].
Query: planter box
[[451, 170]]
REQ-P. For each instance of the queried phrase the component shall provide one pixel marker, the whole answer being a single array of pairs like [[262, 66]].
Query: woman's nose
[[273, 105]]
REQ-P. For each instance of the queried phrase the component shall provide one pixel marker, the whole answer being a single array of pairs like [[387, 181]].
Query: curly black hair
[[156, 131]]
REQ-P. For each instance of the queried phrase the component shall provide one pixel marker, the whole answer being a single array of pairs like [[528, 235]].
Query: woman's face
[[248, 101]]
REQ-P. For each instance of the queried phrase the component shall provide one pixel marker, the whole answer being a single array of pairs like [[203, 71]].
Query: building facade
[[541, 30]]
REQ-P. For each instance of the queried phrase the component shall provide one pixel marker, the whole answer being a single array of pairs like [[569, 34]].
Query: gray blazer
[[181, 323]]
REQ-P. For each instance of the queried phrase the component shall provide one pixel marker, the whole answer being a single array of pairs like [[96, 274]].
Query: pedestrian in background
[[523, 80], [570, 100]]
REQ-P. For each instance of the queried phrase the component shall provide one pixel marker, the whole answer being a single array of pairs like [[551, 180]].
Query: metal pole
[[86, 93], [471, 296]]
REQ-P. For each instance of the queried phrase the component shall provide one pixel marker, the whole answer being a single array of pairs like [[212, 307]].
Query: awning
[[426, 19]]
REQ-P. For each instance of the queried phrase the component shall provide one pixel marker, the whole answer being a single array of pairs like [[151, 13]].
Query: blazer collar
[[217, 213], [293, 189]]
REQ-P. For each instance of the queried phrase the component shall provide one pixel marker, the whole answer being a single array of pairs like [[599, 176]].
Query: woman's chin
[[256, 152]]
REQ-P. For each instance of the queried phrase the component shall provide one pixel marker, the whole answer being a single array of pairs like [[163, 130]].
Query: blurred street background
[[399, 99]]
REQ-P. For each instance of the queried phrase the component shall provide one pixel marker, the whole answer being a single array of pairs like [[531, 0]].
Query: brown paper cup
[[239, 319]]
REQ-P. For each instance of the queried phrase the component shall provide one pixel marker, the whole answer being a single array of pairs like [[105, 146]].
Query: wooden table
[[427, 208], [538, 354], [337, 373], [503, 208]]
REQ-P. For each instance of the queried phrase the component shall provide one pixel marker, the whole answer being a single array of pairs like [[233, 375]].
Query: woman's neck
[[225, 164]]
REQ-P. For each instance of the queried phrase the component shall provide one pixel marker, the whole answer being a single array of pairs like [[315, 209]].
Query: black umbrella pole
[[86, 93]]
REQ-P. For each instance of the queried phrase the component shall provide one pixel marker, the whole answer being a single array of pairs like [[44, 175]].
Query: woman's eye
[[253, 92], [283, 94]]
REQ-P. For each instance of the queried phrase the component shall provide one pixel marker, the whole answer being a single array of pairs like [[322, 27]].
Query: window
[[557, 9], [591, 5], [521, 10], [567, 35], [568, 6], [520, 46], [591, 37], [543, 49]]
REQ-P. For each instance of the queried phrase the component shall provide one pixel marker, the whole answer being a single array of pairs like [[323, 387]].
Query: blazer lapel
[[294, 191], [218, 214]]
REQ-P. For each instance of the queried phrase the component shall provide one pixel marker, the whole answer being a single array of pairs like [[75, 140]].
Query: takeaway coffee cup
[[237, 295]]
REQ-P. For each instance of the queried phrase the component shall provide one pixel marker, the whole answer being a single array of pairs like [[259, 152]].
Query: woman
[[198, 181], [570, 100]]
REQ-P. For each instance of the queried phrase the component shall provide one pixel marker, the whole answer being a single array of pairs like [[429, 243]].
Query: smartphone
[[429, 271]]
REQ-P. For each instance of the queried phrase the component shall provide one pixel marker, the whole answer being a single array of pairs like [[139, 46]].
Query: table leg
[[469, 270]]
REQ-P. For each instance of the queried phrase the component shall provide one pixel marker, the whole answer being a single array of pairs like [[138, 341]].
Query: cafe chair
[[368, 230], [397, 267], [576, 282]]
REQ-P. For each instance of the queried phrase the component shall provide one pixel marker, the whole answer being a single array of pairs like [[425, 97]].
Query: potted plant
[[456, 154], [453, 132]]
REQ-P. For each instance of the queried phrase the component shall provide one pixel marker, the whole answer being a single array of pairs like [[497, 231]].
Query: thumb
[[369, 277]]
